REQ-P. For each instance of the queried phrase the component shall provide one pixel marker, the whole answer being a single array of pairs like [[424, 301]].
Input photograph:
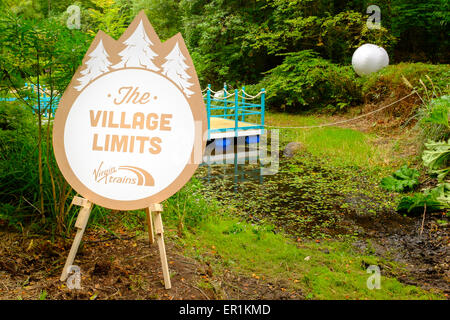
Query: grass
[[325, 270], [342, 146]]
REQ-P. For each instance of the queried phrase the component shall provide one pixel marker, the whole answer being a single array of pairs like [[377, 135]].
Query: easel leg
[[80, 224], [72, 253], [151, 234], [162, 248]]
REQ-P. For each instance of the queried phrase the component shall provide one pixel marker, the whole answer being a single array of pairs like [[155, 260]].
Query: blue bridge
[[234, 114]]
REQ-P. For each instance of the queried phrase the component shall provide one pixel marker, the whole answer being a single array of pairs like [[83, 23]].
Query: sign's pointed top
[[141, 19]]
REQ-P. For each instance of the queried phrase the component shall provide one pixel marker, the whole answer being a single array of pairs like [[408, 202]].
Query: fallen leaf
[[30, 245]]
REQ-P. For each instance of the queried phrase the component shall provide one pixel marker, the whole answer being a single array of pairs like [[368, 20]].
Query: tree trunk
[[41, 178]]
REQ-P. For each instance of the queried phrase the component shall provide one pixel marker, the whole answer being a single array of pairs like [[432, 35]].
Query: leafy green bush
[[18, 153], [42, 52], [19, 171], [304, 81], [439, 111], [401, 180], [443, 193], [434, 119], [436, 199], [436, 157]]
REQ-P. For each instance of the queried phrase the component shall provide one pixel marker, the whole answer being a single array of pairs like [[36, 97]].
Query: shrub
[[434, 119], [436, 157], [436, 199], [18, 153], [19, 171], [304, 81], [390, 81]]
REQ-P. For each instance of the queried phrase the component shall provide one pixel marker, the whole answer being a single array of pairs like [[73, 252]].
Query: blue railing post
[[208, 108], [225, 98], [32, 92], [263, 106], [236, 112], [44, 103], [243, 103]]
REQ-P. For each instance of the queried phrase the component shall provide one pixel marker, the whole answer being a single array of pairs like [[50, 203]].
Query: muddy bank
[[426, 256]]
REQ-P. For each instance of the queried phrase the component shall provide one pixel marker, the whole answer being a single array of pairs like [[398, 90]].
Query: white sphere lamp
[[369, 58]]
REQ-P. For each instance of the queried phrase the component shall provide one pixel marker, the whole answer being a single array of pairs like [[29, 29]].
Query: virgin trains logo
[[123, 175]]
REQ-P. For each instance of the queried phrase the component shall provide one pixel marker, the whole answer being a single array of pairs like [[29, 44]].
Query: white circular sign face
[[128, 139], [128, 142]]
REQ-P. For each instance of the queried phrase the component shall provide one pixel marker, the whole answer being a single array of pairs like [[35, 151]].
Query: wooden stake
[[80, 224], [156, 209], [423, 218], [151, 234]]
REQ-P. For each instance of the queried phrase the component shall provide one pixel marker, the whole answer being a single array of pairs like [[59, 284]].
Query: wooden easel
[[155, 228]]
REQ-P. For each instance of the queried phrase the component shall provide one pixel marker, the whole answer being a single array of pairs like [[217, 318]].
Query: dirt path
[[119, 269]]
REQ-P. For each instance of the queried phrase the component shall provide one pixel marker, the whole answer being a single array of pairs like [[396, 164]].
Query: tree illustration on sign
[[138, 52], [95, 66], [175, 69]]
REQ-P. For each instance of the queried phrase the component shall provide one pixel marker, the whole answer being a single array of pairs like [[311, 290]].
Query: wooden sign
[[131, 122], [129, 130]]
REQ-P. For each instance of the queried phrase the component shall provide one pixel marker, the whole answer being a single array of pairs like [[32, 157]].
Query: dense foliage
[[306, 81], [42, 53], [237, 41], [435, 158]]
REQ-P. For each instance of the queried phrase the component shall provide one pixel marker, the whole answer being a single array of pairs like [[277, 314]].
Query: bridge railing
[[47, 103], [235, 106]]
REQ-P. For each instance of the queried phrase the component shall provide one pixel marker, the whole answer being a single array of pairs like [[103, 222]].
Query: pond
[[290, 193]]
